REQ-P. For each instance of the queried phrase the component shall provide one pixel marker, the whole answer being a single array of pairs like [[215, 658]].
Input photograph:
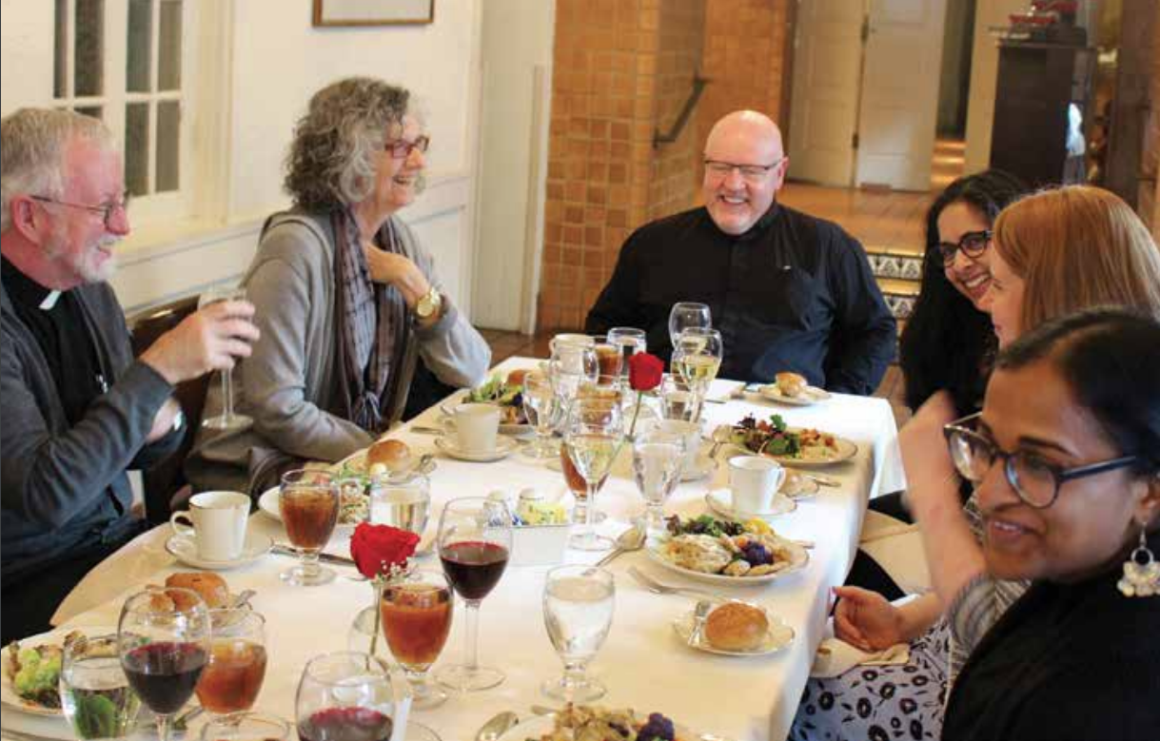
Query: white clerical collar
[[49, 301]]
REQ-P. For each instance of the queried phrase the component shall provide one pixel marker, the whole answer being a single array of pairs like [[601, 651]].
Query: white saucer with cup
[[754, 480], [476, 428], [215, 524]]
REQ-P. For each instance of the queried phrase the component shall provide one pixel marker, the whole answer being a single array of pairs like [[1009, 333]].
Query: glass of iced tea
[[308, 501], [237, 662], [416, 622], [610, 361]]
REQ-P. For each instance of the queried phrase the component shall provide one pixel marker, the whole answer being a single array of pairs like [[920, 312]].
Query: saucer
[[704, 466], [810, 396], [504, 446], [721, 502], [184, 549], [777, 636]]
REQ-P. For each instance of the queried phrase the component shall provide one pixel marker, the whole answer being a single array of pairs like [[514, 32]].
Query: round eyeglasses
[[1033, 479], [973, 244], [106, 210], [401, 148]]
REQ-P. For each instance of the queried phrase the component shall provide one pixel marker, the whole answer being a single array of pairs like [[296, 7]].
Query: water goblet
[[578, 607], [541, 407], [676, 400], [228, 419], [657, 459], [308, 501], [416, 617], [94, 691]]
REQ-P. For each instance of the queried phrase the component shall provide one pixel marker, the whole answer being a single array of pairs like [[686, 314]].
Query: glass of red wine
[[163, 641], [475, 538], [349, 696]]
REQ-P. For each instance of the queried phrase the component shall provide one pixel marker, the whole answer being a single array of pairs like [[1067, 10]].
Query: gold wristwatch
[[429, 304]]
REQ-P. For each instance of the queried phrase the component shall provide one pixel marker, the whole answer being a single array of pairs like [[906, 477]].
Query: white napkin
[[836, 657]]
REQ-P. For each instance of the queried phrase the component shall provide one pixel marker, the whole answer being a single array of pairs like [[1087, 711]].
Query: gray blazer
[[289, 381]]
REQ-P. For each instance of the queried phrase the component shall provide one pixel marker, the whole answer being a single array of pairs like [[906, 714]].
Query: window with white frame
[[129, 63]]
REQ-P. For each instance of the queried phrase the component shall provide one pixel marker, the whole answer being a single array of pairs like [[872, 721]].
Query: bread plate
[[799, 557], [777, 636], [812, 395]]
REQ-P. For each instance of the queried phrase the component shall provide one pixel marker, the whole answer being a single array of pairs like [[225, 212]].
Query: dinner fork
[[657, 587]]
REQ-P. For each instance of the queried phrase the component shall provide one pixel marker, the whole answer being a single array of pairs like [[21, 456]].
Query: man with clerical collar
[[787, 291], [78, 409]]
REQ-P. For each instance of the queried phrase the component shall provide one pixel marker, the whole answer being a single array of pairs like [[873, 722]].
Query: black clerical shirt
[[794, 293]]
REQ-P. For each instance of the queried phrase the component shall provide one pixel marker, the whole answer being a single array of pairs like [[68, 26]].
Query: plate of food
[[31, 673], [506, 393], [586, 722], [796, 446], [724, 552], [792, 389], [736, 628]]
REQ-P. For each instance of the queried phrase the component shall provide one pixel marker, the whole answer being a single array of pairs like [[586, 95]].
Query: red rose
[[645, 371], [375, 548]]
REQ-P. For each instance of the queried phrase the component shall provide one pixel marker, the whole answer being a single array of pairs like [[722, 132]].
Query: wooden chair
[[165, 486]]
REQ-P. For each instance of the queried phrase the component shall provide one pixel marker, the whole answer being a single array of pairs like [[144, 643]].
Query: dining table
[[643, 663]]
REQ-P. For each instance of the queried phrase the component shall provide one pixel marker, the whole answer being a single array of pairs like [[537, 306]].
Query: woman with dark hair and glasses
[[1065, 460], [347, 300]]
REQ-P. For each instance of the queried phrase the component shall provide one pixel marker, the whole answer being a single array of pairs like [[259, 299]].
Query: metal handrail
[[674, 133]]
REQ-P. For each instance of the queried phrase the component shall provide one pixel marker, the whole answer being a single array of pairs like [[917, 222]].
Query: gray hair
[[32, 143], [331, 161]]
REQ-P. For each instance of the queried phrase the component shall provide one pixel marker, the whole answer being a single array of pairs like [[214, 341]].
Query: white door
[[899, 110], [826, 70]]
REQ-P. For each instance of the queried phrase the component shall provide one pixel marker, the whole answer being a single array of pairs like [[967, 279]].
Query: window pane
[[168, 146], [169, 46], [137, 148], [60, 51], [94, 111], [139, 54], [90, 47]]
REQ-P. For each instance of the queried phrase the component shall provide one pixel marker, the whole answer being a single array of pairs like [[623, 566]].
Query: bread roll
[[516, 377], [211, 587], [736, 626], [394, 454], [791, 384]]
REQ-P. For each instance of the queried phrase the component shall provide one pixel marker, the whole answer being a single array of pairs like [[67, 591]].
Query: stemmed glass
[[542, 410], [416, 622], [349, 696], [697, 358], [687, 315], [308, 502], [237, 662], [94, 692], [657, 457], [246, 727], [475, 539], [677, 401], [228, 419], [163, 641], [592, 438], [578, 606]]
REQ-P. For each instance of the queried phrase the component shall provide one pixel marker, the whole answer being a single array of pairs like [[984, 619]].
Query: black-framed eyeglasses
[[1034, 479], [973, 244], [751, 173], [401, 149], [106, 210]]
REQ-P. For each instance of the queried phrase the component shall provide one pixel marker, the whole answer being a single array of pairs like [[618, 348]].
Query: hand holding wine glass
[[227, 420]]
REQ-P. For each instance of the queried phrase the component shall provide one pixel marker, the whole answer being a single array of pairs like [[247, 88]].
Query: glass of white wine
[[228, 419], [696, 359], [593, 435]]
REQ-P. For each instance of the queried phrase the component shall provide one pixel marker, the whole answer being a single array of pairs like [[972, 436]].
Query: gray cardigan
[[289, 382], [55, 478]]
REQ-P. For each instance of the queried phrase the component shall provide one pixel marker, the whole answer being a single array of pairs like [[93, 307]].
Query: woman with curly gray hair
[[347, 300]]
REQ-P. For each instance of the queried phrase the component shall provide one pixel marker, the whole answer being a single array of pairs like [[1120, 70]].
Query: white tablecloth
[[642, 663]]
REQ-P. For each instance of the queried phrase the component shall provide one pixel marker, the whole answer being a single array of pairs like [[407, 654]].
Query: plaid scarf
[[371, 325]]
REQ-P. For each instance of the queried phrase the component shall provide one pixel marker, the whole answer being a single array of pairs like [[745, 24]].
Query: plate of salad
[[791, 446], [506, 393]]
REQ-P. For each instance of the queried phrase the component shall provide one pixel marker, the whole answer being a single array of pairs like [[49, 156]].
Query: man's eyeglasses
[[1035, 480], [750, 173], [400, 149], [973, 244], [106, 210]]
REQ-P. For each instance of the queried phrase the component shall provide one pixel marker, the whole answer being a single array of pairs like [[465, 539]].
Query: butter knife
[[285, 550]]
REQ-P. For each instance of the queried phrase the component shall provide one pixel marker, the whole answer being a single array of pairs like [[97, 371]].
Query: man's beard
[[81, 264]]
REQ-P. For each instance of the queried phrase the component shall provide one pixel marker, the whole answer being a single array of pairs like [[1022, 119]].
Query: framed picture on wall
[[372, 12]]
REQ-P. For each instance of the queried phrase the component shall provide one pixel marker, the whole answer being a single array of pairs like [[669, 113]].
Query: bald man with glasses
[[79, 410], [788, 291]]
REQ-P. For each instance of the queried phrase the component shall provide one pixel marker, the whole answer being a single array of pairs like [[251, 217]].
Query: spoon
[[700, 615], [721, 435], [631, 539], [497, 726]]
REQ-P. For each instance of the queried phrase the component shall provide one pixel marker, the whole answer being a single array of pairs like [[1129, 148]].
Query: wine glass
[[308, 502], [475, 540], [416, 617], [685, 315], [570, 367], [578, 606], [697, 358], [542, 410], [163, 640], [677, 401], [228, 419], [94, 692], [246, 727], [657, 459], [237, 662], [349, 696], [592, 438]]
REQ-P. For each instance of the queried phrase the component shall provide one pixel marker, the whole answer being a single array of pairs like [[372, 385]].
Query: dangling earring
[[1141, 572]]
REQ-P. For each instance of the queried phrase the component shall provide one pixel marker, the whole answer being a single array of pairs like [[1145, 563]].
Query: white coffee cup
[[216, 522], [755, 481], [690, 432], [476, 427]]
